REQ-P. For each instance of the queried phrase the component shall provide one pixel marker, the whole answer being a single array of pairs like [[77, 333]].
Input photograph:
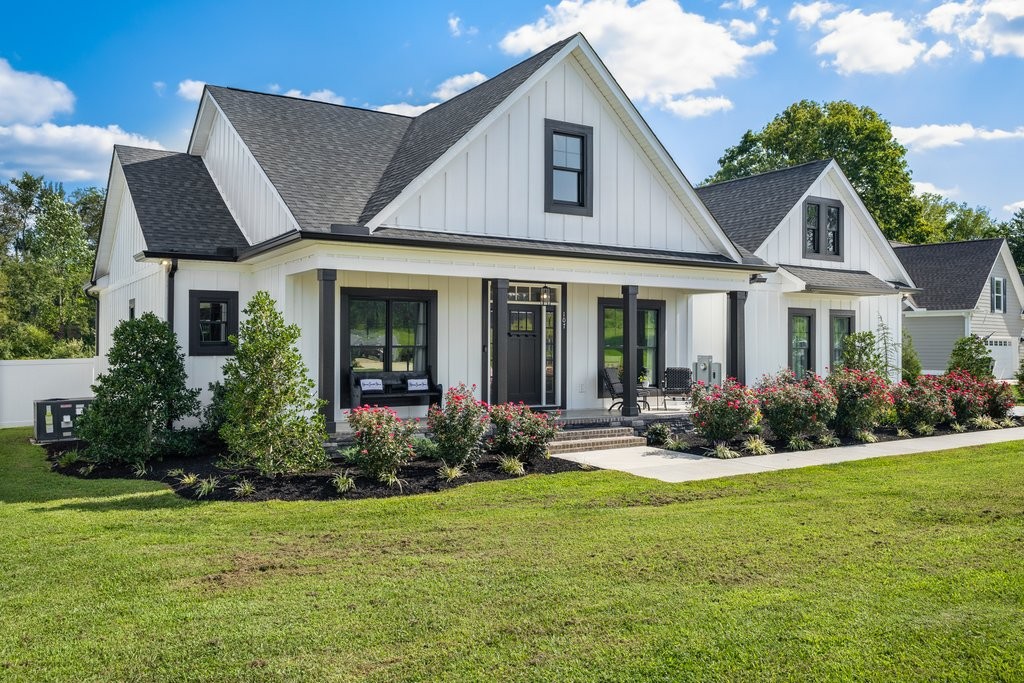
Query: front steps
[[579, 440]]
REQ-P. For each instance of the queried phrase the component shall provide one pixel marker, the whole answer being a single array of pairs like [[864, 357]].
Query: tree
[[856, 137], [88, 203], [273, 421], [970, 355], [19, 204], [911, 361], [1013, 231]]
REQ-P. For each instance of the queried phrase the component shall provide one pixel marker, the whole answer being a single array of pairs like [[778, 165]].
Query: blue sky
[[949, 76]]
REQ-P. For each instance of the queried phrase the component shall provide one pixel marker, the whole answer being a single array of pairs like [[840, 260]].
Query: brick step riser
[[596, 444], [577, 434]]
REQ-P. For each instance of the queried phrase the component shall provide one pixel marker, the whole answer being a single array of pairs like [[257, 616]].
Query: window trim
[[1001, 308], [587, 133], [641, 304], [832, 315], [345, 335], [131, 309], [821, 254], [812, 337], [195, 297]]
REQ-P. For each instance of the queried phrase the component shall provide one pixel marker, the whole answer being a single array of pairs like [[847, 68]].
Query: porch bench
[[394, 388]]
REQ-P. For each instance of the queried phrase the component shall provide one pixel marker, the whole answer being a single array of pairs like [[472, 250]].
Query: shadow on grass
[[135, 501]]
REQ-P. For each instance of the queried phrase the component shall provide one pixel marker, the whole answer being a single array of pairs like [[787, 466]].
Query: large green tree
[[856, 137]]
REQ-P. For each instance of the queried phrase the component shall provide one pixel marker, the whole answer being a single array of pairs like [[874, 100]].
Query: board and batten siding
[[496, 185], [933, 338], [248, 194]]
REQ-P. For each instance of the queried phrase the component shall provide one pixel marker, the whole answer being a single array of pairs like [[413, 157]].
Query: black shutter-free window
[[212, 319], [568, 168]]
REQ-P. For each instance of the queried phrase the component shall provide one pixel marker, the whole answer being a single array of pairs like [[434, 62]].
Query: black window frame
[[812, 351], [196, 297], [1001, 308], [832, 315], [823, 204], [641, 305], [586, 208], [131, 309]]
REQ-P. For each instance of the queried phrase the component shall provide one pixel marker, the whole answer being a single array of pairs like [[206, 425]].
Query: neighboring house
[[500, 238], [837, 273], [969, 287]]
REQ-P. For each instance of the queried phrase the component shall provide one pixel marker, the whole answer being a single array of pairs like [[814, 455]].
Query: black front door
[[524, 357]]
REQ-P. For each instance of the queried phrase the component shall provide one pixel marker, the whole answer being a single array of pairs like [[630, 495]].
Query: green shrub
[[383, 442], [458, 426], [923, 403], [970, 355], [272, 418], [796, 408], [521, 433], [861, 397], [861, 352], [911, 361], [343, 482], [512, 465], [722, 451], [140, 395], [755, 445], [450, 472], [244, 489], [723, 413], [658, 434], [424, 448], [1020, 374], [999, 398], [215, 415]]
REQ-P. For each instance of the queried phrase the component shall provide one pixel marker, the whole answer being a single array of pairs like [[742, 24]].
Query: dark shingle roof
[[324, 159], [840, 281], [951, 274], [436, 130], [179, 207], [749, 209]]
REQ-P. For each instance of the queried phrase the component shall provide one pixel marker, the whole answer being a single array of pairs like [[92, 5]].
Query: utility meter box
[[56, 418], [707, 371]]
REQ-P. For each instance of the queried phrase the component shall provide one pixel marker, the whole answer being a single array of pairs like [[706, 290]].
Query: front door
[[524, 354]]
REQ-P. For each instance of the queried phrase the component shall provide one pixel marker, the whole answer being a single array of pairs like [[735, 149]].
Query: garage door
[[1004, 352]]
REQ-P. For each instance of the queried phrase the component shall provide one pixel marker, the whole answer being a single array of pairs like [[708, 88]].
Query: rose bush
[[999, 398], [520, 432], [967, 393], [861, 398], [383, 441], [795, 408], [458, 426], [723, 413], [922, 403]]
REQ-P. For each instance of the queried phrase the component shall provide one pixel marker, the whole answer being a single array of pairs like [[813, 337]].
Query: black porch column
[[629, 368], [328, 349], [736, 334], [499, 297]]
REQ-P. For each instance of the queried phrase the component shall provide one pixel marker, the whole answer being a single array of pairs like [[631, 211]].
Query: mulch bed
[[418, 476]]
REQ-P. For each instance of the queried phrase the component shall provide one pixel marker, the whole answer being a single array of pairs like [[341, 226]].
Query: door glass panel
[[549, 356], [800, 344]]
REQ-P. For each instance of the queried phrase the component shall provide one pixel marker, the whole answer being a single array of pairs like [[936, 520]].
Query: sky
[[78, 77]]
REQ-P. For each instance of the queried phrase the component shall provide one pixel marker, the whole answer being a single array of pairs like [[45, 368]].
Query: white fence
[[25, 381]]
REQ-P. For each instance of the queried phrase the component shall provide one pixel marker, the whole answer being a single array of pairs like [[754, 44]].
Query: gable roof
[[932, 268], [749, 209], [157, 181]]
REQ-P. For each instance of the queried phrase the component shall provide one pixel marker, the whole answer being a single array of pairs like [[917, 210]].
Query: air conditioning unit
[[56, 418]]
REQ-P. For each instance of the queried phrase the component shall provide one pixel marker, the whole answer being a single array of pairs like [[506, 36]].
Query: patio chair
[[612, 381], [678, 383]]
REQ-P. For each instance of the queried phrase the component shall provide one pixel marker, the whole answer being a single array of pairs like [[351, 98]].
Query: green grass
[[889, 569]]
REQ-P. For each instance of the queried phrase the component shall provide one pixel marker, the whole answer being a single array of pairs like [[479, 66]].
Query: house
[[983, 296], [519, 236], [836, 272]]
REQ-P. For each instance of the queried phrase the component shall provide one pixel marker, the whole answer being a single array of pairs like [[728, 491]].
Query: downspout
[[96, 328], [171, 270]]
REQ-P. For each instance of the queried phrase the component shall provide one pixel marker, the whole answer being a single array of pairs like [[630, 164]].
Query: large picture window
[[212, 319], [801, 341], [569, 168], [823, 229], [650, 338]]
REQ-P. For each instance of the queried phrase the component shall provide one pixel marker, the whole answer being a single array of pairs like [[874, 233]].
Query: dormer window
[[569, 168], [823, 229], [998, 295]]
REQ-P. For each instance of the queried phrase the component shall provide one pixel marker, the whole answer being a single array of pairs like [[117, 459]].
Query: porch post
[[327, 348], [629, 369], [499, 297], [736, 333]]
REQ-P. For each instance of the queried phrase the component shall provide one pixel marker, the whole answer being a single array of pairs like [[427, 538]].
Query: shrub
[[140, 396], [343, 482], [796, 408], [860, 352], [861, 397], [923, 403], [984, 422], [999, 398], [1020, 374], [508, 464], [911, 361], [722, 451], [244, 489], [272, 420], [970, 355], [521, 433], [829, 440], [723, 413], [424, 448], [458, 426], [207, 486], [799, 443], [658, 434], [450, 472], [967, 394], [215, 415], [383, 442], [865, 436], [755, 445]]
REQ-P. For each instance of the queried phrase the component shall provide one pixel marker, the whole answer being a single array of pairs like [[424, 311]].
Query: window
[[841, 326], [650, 337], [131, 309], [801, 341], [998, 295], [569, 177], [213, 318], [388, 330], [823, 229]]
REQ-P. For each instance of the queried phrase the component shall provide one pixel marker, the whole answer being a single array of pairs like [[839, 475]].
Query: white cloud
[[868, 43], [191, 90], [274, 87], [451, 87], [691, 107], [406, 109], [159, 87], [682, 52], [76, 153], [742, 29], [922, 187], [31, 98], [456, 29], [1013, 208], [933, 136], [987, 27], [323, 95], [810, 14], [939, 50]]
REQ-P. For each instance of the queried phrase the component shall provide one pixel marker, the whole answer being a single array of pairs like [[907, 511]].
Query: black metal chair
[[677, 383], [612, 381]]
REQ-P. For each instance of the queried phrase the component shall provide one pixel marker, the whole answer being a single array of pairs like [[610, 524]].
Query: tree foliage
[[970, 355], [272, 421], [911, 360]]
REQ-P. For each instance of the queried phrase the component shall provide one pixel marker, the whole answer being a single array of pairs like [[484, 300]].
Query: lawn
[[888, 569]]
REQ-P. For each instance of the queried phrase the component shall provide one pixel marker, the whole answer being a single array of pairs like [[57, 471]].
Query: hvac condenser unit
[[56, 418]]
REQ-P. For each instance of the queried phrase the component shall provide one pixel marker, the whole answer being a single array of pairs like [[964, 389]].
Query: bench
[[394, 388]]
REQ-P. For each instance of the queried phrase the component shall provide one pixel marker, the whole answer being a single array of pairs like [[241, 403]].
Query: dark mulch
[[418, 476]]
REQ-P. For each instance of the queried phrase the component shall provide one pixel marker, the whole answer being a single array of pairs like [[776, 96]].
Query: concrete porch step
[[605, 443]]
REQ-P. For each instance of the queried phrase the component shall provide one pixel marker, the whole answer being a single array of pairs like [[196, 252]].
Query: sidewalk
[[656, 463]]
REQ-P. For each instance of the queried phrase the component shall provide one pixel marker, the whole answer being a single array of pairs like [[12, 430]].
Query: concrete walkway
[[656, 463]]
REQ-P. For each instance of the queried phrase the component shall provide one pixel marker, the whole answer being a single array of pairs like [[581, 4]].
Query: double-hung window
[[823, 229], [569, 168], [998, 295], [841, 326], [213, 318]]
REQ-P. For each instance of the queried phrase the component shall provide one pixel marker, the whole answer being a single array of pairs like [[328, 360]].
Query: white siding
[[933, 338], [1003, 325], [252, 200], [496, 186]]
